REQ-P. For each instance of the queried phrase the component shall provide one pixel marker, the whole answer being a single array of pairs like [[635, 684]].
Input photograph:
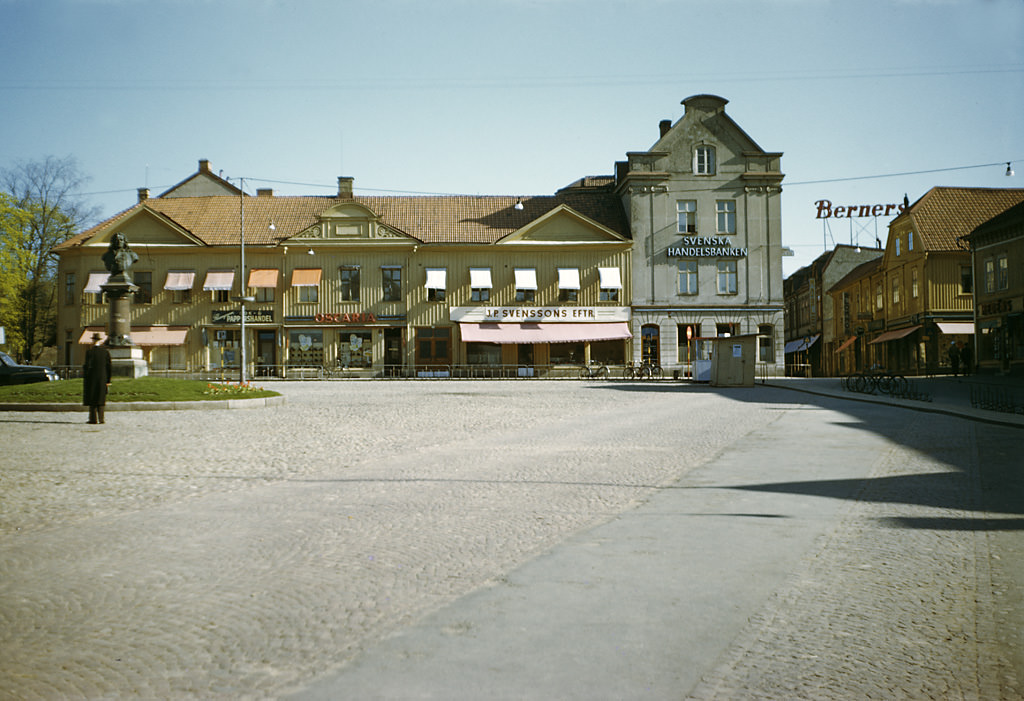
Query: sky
[[868, 101]]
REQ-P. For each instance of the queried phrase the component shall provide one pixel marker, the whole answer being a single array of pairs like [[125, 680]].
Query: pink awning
[[896, 334], [144, 335], [544, 333]]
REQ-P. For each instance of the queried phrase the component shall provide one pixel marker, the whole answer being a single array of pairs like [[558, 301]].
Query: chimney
[[345, 187], [664, 126], [265, 192], [204, 165], [143, 194]]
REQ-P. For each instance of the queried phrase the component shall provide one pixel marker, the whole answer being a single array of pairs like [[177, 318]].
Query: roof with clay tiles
[[944, 214]]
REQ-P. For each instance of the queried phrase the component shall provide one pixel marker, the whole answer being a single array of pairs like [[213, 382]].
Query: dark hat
[[96, 336]]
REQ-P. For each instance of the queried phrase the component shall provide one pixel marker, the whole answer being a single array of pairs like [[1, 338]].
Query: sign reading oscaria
[[706, 246]]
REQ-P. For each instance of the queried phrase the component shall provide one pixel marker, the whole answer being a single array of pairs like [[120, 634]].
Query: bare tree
[[45, 192]]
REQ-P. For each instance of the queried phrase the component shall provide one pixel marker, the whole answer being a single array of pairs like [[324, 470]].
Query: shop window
[[392, 284], [726, 277], [704, 160], [726, 216], [433, 346], [650, 344], [349, 284], [306, 347], [144, 281], [608, 352], [687, 277], [69, 288], [566, 353], [766, 343], [224, 348], [483, 354], [686, 213], [355, 349]]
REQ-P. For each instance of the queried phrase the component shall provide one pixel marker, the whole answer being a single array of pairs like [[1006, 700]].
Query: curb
[[212, 404]]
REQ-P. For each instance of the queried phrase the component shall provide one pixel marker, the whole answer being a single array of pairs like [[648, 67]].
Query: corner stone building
[[609, 269], [704, 208]]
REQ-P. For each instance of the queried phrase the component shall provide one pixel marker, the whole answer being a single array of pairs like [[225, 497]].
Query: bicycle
[[644, 371], [594, 371]]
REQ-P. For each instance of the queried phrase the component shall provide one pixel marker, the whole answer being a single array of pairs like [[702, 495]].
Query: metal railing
[[995, 398]]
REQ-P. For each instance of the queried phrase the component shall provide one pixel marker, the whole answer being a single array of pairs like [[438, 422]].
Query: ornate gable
[[350, 222], [563, 225]]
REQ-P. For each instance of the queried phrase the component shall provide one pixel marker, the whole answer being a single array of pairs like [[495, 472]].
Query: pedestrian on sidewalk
[[954, 357], [96, 370], [967, 358]]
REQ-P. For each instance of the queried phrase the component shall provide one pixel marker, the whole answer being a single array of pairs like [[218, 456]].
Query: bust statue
[[119, 258]]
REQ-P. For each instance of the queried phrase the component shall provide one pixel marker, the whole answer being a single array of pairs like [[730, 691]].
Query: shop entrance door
[[266, 353], [392, 352], [525, 359], [650, 344]]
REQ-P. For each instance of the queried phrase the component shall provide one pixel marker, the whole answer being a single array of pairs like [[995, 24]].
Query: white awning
[[180, 279], [219, 280], [568, 278], [480, 278], [94, 282], [610, 278], [955, 327], [436, 278], [526, 278]]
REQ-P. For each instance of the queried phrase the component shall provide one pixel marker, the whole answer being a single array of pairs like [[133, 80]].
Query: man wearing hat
[[96, 372]]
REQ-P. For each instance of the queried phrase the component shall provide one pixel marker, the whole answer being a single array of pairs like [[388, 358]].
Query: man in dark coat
[[96, 371]]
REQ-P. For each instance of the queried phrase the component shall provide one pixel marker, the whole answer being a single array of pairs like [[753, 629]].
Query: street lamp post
[[241, 298]]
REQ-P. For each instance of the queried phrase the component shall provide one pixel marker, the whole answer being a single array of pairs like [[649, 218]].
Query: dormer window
[[704, 160]]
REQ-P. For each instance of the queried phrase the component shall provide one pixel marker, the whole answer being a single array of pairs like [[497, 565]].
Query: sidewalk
[[948, 395]]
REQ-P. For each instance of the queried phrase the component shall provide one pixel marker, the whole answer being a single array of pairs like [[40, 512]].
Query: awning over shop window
[[219, 280], [180, 279], [568, 278], [610, 278], [801, 344], [846, 344], [144, 335], [301, 277], [954, 327], [95, 280], [544, 333], [526, 278], [480, 278], [896, 334], [436, 278], [266, 277]]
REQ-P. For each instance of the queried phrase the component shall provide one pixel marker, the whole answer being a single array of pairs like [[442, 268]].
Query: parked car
[[11, 373]]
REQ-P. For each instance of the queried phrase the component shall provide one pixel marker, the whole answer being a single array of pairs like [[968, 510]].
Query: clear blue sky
[[514, 96]]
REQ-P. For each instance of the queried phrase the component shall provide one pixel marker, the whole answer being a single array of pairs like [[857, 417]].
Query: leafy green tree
[[39, 210]]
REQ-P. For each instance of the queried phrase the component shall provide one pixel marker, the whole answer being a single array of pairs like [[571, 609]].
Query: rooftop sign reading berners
[[826, 210]]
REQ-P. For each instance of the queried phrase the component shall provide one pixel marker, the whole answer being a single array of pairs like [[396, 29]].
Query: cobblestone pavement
[[251, 553]]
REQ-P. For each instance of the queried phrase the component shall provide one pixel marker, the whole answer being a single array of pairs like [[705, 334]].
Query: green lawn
[[142, 389]]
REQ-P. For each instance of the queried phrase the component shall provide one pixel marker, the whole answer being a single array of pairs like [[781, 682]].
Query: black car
[[13, 374]]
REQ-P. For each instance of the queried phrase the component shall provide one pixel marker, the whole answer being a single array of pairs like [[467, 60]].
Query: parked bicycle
[[876, 383], [594, 371], [644, 371]]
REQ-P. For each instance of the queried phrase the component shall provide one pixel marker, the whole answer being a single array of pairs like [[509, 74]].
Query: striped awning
[[180, 279], [143, 335], [219, 280], [302, 277]]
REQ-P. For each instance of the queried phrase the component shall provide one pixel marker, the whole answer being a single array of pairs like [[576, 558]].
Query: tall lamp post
[[242, 298]]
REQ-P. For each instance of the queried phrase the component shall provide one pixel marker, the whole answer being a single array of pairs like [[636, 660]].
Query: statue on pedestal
[[126, 356]]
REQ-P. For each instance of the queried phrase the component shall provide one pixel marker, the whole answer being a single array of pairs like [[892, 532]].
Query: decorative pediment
[[563, 225], [349, 222], [145, 227]]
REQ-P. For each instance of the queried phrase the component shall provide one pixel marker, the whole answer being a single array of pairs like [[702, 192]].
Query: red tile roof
[[945, 213]]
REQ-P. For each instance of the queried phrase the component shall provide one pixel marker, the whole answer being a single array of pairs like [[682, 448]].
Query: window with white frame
[[611, 283], [349, 275], [704, 160], [726, 277], [726, 211], [1002, 272], [687, 277], [990, 275], [568, 284], [391, 283], [437, 282], [526, 284], [480, 284], [686, 214]]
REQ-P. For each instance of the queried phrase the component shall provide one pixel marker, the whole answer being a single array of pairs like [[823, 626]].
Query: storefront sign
[[826, 210], [494, 315], [706, 247], [1000, 306], [349, 318], [252, 316]]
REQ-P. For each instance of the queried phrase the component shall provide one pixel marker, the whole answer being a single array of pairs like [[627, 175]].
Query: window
[[181, 296], [913, 283], [480, 284], [566, 353], [766, 343], [879, 298], [219, 283], [966, 280], [608, 352], [526, 284], [144, 281], [309, 294], [1002, 272], [704, 160], [308, 282], [437, 281], [726, 277], [897, 245], [568, 284], [687, 277], [726, 329], [69, 288], [94, 287], [686, 211], [349, 283], [483, 354], [355, 349], [611, 283], [221, 296], [265, 294], [726, 211], [392, 284], [910, 240], [990, 275], [306, 347], [433, 346], [650, 344], [895, 291]]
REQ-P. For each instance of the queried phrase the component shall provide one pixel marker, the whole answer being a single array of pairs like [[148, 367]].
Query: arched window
[[704, 160], [650, 344]]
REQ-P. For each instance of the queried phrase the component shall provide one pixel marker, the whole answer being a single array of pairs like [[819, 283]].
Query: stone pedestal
[[127, 361], [126, 358]]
